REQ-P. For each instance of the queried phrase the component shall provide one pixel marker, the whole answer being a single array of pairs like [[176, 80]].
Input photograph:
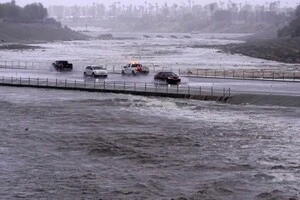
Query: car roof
[[168, 72]]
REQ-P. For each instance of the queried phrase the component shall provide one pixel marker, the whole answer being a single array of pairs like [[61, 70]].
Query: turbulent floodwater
[[80, 145], [166, 53]]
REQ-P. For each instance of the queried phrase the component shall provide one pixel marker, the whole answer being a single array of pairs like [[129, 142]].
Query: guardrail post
[[273, 76], [206, 73], [243, 74], [124, 86], [47, 82], [114, 85], [232, 74], [200, 91], [65, 83], [145, 87], [56, 82], [75, 83], [20, 80], [37, 81], [177, 88], [11, 80], [2, 79], [224, 73], [294, 76], [263, 74]]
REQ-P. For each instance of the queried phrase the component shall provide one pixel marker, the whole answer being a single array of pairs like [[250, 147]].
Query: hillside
[[36, 32], [282, 49]]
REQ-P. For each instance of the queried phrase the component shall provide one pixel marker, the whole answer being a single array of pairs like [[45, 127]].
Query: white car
[[134, 68], [95, 71]]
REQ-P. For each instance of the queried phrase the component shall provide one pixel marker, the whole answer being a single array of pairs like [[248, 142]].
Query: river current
[[81, 145]]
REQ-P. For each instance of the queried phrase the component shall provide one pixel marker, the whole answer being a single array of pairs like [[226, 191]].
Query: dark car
[[62, 65], [169, 77]]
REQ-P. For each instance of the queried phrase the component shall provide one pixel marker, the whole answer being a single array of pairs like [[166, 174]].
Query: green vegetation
[[293, 29], [29, 25], [31, 12]]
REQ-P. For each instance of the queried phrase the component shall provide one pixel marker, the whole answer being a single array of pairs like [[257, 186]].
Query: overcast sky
[[46, 3]]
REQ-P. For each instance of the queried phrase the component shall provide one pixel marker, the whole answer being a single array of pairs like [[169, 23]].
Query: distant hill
[[36, 32], [285, 50]]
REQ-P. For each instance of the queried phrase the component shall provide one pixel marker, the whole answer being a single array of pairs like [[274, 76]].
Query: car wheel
[[123, 72], [133, 73], [93, 75], [84, 74]]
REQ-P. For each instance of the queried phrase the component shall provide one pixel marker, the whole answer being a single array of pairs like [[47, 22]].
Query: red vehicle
[[134, 68]]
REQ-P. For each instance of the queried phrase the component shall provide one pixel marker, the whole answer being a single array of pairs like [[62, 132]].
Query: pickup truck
[[134, 68], [62, 65]]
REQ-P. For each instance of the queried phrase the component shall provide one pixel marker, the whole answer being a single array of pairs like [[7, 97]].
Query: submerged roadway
[[288, 88]]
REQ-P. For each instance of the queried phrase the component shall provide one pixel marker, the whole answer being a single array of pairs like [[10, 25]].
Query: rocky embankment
[[281, 50], [36, 32], [285, 50]]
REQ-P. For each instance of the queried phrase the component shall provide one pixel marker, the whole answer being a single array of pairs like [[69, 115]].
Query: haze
[[292, 3]]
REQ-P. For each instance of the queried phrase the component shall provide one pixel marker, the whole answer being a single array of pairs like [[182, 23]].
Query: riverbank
[[286, 50], [265, 100], [19, 47], [281, 50], [36, 33]]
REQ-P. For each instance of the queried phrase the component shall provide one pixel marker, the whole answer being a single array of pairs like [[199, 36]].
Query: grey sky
[[292, 3]]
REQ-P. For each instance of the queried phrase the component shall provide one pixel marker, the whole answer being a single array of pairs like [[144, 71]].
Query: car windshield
[[136, 65], [63, 62], [98, 67], [169, 74]]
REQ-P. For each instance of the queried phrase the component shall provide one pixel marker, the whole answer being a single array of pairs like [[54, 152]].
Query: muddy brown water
[[80, 145]]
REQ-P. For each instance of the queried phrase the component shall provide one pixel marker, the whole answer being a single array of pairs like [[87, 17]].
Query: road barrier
[[247, 74], [146, 89]]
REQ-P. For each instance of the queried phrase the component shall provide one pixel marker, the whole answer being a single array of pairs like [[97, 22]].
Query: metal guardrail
[[247, 74], [118, 86], [77, 66]]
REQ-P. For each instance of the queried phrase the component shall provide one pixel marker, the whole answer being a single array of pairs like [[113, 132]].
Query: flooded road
[[80, 145]]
